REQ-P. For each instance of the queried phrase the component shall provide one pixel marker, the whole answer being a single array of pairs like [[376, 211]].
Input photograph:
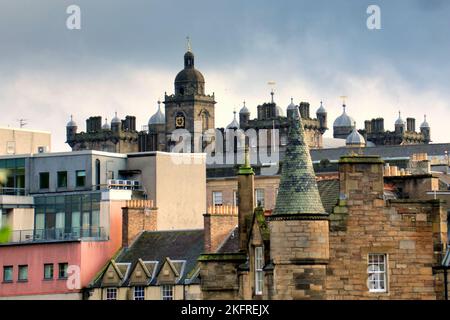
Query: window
[[23, 273], [259, 274], [259, 195], [62, 179], [167, 292], [48, 271], [235, 198], [217, 198], [62, 272], [80, 178], [44, 180], [7, 274], [377, 273], [111, 293], [139, 293]]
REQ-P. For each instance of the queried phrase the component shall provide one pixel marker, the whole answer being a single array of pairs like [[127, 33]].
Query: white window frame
[[261, 193], [141, 291], [259, 273], [167, 292], [235, 198], [377, 272], [215, 195], [111, 293]]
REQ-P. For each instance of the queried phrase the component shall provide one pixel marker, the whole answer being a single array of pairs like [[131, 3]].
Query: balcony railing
[[13, 191], [57, 234]]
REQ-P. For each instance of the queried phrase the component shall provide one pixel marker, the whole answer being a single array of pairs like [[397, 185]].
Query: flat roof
[[25, 130]]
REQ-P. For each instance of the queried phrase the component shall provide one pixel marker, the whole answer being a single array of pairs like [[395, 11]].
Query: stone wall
[[218, 223], [411, 233], [300, 251]]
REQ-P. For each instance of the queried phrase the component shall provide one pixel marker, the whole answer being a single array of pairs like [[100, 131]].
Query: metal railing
[[58, 234], [5, 191]]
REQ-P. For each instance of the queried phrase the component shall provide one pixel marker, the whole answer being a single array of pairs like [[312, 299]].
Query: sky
[[127, 53]]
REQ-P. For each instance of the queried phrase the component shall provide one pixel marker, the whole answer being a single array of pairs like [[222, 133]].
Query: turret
[[291, 109], [425, 130], [322, 116], [71, 129], [116, 123], [244, 116], [399, 124], [299, 230]]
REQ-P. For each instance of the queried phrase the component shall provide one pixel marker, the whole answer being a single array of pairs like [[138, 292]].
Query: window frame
[[383, 272], [258, 268], [41, 175], [111, 293], [58, 176], [77, 185], [263, 192], [215, 204], [12, 274], [52, 272], [167, 292], [140, 289], [61, 264], [20, 268]]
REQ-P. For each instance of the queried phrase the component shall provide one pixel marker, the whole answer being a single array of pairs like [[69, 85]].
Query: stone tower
[[425, 130], [299, 232], [189, 108]]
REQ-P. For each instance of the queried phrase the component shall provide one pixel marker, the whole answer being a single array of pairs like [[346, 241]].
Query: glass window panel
[[7, 273], [48, 271], [23, 273]]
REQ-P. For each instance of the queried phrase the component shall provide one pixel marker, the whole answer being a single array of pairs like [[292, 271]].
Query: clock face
[[179, 121]]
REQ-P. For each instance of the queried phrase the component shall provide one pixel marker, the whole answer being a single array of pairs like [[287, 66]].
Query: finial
[[115, 113], [321, 103], [344, 106], [106, 120], [244, 103], [159, 104], [272, 93], [292, 100], [71, 117], [188, 44], [425, 117]]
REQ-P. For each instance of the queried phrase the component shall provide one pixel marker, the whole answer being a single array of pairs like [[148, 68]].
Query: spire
[[272, 93], [298, 193]]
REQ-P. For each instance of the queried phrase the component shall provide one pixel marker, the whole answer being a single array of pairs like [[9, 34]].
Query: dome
[[279, 111], [321, 109], [425, 123], [292, 105], [399, 121], [106, 125], [344, 120], [355, 138], [189, 75], [71, 123], [244, 109], [158, 117], [115, 119], [189, 80], [234, 124]]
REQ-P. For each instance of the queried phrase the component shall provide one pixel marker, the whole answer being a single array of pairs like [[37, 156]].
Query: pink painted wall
[[35, 255], [95, 255], [90, 256]]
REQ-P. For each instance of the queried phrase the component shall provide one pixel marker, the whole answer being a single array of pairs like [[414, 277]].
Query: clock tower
[[189, 108]]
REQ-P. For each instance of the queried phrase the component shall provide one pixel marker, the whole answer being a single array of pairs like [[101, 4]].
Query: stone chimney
[[361, 178], [219, 221], [137, 216], [411, 124], [246, 196]]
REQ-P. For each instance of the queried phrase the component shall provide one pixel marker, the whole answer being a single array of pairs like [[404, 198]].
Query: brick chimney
[[219, 221], [137, 216]]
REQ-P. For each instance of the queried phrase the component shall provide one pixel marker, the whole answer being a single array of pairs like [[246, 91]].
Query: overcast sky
[[127, 54]]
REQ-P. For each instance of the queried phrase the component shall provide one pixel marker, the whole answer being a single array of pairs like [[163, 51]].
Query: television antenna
[[22, 122]]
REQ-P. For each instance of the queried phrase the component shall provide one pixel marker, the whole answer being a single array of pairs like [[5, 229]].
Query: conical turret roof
[[298, 193]]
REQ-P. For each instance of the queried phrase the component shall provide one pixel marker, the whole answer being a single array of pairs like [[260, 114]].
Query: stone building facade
[[364, 247]]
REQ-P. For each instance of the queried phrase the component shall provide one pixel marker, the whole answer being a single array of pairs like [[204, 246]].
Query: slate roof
[[231, 243], [329, 193], [298, 192], [178, 245]]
